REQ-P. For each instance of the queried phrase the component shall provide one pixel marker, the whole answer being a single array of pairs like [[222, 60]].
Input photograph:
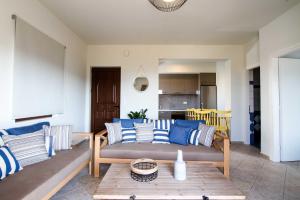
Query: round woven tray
[[144, 170]]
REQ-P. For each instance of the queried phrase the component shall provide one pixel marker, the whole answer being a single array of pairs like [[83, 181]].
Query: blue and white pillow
[[163, 124], [8, 163], [194, 137], [161, 136], [49, 141], [128, 135], [147, 121], [2, 132]]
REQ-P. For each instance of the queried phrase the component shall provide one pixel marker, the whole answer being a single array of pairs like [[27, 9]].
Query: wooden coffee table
[[201, 182]]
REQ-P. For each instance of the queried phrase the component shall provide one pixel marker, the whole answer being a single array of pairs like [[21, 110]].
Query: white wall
[[75, 61], [148, 56], [279, 37], [223, 70], [252, 54]]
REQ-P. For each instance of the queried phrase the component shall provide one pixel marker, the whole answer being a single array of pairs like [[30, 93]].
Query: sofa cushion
[[8, 163], [163, 124], [179, 135], [189, 123], [127, 123], [144, 132], [27, 129], [206, 134], [37, 180], [28, 148], [160, 152], [194, 137], [161, 136], [128, 135], [114, 132]]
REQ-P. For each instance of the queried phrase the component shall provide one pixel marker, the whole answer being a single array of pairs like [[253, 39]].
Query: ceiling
[[138, 22]]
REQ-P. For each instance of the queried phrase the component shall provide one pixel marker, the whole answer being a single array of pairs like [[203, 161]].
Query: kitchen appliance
[[208, 97]]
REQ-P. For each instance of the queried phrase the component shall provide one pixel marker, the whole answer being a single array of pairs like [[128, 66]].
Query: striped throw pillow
[[49, 141], [147, 120], [144, 132], [128, 135], [8, 163], [206, 134], [194, 137], [63, 137], [163, 124], [161, 136], [28, 148]]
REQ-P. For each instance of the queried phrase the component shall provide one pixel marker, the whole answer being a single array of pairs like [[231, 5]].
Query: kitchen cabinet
[[178, 83]]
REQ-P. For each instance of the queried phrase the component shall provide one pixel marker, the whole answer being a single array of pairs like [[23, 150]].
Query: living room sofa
[[216, 156], [42, 180]]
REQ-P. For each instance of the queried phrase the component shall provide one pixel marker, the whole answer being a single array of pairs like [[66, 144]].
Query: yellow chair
[[203, 115], [221, 120], [191, 115]]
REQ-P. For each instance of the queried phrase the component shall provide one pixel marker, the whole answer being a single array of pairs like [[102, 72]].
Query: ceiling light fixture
[[167, 5]]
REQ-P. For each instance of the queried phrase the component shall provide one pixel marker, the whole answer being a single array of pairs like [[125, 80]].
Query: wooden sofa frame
[[221, 143], [87, 136]]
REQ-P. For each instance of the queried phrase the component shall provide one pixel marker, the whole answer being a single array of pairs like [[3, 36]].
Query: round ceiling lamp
[[167, 5]]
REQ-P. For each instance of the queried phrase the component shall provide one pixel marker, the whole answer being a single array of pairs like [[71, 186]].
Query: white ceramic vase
[[179, 167]]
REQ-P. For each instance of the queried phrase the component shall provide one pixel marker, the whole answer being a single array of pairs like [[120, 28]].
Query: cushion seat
[[160, 152], [37, 180]]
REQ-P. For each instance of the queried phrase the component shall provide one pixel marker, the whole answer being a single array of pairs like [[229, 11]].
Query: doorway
[[105, 97], [254, 107]]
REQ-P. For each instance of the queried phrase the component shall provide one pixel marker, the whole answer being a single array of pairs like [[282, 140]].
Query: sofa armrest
[[100, 142], [221, 142], [84, 136]]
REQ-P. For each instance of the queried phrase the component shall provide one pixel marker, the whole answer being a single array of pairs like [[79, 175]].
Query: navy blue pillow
[[27, 129], [179, 135], [193, 124], [127, 123]]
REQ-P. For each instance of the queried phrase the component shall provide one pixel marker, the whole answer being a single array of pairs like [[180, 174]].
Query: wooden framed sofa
[[216, 156], [42, 180]]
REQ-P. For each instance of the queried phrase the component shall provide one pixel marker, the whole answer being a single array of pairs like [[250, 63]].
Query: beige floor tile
[[256, 177]]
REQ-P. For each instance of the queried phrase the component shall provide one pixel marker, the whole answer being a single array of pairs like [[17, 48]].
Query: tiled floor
[[257, 178]]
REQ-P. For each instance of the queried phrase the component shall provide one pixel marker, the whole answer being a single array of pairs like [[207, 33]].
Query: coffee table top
[[201, 181]]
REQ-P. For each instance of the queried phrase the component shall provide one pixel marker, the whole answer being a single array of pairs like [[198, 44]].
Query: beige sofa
[[216, 156], [44, 179]]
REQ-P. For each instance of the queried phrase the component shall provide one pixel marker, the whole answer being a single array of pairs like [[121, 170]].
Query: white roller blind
[[38, 73]]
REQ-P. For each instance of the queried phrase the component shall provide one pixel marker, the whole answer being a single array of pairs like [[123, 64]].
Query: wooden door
[[105, 96]]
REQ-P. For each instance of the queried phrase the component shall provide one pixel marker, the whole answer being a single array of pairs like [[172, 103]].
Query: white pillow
[[114, 132], [62, 136]]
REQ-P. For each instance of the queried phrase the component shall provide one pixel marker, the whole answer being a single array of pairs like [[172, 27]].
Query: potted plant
[[138, 114]]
